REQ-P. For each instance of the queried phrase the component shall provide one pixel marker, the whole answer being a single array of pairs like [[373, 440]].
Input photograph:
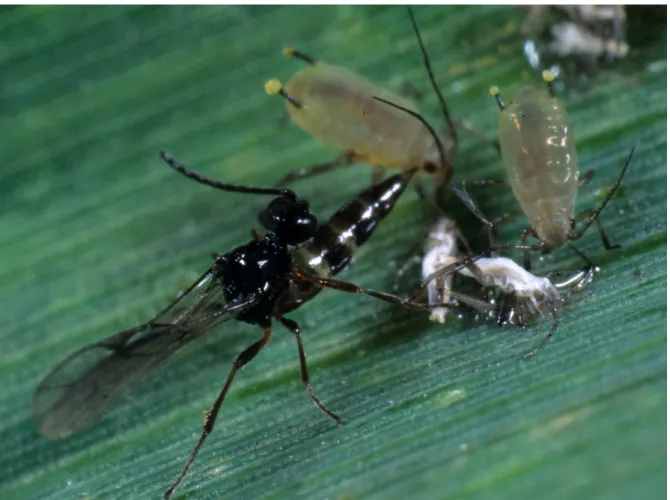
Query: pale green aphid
[[339, 107], [538, 148]]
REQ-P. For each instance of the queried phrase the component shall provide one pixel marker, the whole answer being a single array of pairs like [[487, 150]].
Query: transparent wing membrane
[[88, 383]]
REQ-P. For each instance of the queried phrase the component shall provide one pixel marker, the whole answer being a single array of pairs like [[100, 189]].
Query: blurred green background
[[97, 235]]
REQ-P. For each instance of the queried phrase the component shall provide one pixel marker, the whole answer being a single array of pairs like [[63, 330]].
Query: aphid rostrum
[[255, 283], [538, 149], [336, 106]]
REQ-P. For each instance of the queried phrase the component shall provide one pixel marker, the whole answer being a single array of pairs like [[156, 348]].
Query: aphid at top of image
[[578, 38], [255, 283], [338, 107], [538, 149]]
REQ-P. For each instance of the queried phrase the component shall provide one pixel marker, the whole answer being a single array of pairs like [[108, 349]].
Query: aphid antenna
[[431, 76], [167, 158], [274, 87], [596, 212], [438, 143], [292, 52]]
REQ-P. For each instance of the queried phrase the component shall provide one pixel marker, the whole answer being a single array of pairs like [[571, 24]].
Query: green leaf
[[97, 235]]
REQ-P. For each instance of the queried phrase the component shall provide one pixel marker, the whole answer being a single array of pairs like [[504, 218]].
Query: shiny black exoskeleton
[[261, 268], [254, 283]]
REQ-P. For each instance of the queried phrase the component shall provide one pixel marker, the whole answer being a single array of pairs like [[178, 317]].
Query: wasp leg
[[293, 327], [346, 286], [210, 417]]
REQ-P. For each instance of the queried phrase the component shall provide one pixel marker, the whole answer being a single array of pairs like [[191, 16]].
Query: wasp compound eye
[[290, 220]]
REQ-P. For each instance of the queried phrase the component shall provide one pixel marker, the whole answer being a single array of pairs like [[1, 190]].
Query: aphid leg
[[589, 262], [526, 252], [603, 236], [293, 327], [486, 182], [346, 286], [255, 234], [504, 310], [505, 217], [344, 160], [595, 213], [585, 178], [539, 346], [220, 185], [459, 190], [291, 52], [210, 417]]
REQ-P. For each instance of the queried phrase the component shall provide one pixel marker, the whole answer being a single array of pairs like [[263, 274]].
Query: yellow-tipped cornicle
[[495, 92], [288, 51], [547, 76], [273, 86]]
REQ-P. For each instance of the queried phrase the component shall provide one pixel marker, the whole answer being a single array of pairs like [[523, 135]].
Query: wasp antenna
[[495, 92], [548, 77], [292, 52], [438, 143], [167, 158], [273, 87], [431, 76]]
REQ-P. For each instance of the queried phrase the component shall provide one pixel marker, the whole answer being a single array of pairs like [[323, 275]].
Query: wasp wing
[[87, 384]]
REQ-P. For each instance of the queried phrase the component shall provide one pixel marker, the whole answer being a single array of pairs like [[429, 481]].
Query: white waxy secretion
[[536, 294], [440, 251]]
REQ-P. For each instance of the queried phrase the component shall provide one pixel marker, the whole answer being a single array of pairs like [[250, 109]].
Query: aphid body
[[338, 108], [441, 250], [538, 148], [346, 110], [532, 295]]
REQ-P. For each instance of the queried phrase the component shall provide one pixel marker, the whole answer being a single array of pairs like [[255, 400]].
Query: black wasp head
[[290, 219]]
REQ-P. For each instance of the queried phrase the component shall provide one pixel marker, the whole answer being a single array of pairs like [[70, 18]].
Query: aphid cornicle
[[255, 283], [538, 149], [338, 107]]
